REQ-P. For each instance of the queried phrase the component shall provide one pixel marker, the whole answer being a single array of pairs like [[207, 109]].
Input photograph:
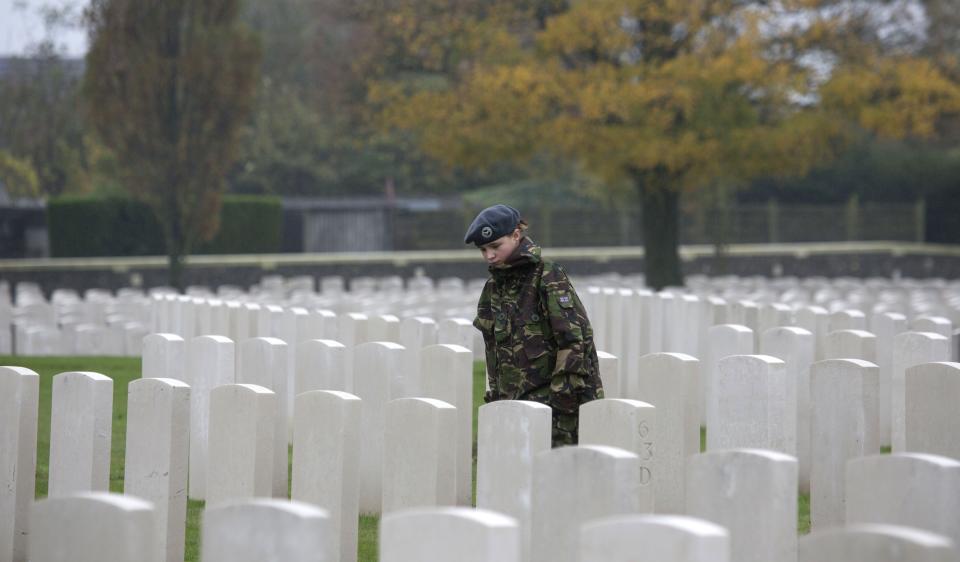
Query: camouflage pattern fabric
[[538, 339]]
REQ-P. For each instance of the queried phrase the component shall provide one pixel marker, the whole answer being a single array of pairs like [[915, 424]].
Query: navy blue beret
[[492, 223]]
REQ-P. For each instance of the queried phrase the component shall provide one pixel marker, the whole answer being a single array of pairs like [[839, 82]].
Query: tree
[[673, 97], [168, 84], [41, 123], [17, 176]]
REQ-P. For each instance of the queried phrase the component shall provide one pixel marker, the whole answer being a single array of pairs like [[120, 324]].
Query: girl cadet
[[539, 344]]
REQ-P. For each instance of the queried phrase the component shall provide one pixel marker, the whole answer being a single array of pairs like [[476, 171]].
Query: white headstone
[[211, 362], [575, 485], [510, 435], [876, 543], [935, 324], [722, 341], [668, 381], [81, 416], [910, 489], [909, 349], [419, 454], [755, 405], [323, 365], [374, 367], [416, 333], [326, 457], [886, 326], [352, 329], [262, 530], [851, 344], [775, 315], [848, 319], [458, 331], [610, 375], [630, 425], [157, 456], [447, 375], [242, 429], [816, 320], [932, 414], [384, 327], [93, 527], [795, 347], [445, 534], [751, 492], [19, 406], [324, 325], [164, 357], [653, 538], [263, 362], [843, 426]]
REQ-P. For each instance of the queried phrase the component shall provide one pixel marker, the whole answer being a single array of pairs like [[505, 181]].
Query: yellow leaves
[[17, 176], [894, 97]]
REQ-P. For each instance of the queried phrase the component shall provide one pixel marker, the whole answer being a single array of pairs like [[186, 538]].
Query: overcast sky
[[21, 26]]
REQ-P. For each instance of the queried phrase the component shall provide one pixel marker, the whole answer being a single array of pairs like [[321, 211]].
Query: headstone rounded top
[[845, 363], [158, 381], [266, 341], [787, 330], [906, 534], [246, 388], [758, 359], [669, 356], [925, 335], [938, 460], [291, 507], [83, 374], [483, 517], [17, 371], [329, 394], [432, 402], [595, 450], [378, 344], [163, 336], [774, 456], [692, 525], [515, 405], [451, 347], [615, 402], [325, 343], [217, 339], [605, 355], [858, 333], [121, 502], [731, 328]]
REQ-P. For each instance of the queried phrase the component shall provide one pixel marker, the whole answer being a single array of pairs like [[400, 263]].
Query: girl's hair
[[522, 225]]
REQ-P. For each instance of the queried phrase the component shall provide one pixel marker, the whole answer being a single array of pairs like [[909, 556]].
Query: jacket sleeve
[[571, 331], [484, 323]]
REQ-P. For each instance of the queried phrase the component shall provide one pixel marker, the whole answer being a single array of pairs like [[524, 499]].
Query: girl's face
[[495, 253]]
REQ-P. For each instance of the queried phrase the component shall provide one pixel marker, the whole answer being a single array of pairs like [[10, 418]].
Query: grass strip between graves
[[124, 370]]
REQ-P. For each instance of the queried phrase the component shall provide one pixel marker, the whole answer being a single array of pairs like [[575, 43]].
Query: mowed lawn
[[124, 370]]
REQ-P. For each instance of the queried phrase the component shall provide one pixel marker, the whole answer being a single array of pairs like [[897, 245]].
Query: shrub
[[85, 226]]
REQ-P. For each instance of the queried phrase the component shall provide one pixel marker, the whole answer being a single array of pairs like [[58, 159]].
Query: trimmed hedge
[[85, 226]]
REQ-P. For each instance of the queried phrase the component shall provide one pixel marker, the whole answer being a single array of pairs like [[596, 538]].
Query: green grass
[[124, 370]]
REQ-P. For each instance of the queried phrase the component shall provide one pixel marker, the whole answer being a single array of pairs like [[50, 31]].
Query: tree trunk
[[661, 233]]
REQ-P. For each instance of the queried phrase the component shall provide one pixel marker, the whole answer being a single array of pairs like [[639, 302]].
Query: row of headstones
[[727, 385], [730, 524], [189, 317], [504, 481], [631, 323]]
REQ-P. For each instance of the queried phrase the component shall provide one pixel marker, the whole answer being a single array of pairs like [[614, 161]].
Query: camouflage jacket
[[539, 343]]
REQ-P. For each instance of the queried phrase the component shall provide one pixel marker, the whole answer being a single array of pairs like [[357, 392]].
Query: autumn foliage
[[666, 96]]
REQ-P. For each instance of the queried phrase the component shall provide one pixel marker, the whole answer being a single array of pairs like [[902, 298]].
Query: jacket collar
[[526, 254]]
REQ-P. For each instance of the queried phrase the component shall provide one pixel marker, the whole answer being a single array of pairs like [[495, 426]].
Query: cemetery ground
[[124, 370]]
